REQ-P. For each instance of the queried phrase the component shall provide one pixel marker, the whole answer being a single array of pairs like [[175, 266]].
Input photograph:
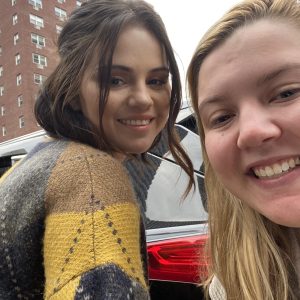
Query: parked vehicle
[[13, 150], [176, 228]]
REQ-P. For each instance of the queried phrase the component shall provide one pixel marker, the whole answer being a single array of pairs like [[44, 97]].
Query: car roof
[[21, 145]]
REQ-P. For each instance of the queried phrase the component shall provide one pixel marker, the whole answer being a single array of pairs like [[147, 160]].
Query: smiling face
[[137, 108], [249, 104]]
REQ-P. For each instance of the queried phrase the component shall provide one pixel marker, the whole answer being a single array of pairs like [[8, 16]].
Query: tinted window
[[160, 184]]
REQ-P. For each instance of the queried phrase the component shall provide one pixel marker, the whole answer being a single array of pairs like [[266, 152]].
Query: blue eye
[[288, 94]]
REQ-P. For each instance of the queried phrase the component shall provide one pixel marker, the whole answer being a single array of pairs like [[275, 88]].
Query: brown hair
[[97, 25]]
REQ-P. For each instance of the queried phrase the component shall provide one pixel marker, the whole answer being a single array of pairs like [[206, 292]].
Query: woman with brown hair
[[70, 224]]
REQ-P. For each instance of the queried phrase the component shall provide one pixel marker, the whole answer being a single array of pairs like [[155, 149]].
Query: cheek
[[219, 154], [165, 113], [166, 108], [167, 99], [163, 106], [89, 106]]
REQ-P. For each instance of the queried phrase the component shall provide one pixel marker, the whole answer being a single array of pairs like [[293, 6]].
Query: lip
[[138, 117], [277, 183]]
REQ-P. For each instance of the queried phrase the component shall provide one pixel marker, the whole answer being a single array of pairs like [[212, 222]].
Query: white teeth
[[257, 173], [135, 122], [292, 163], [277, 168], [285, 166], [269, 171]]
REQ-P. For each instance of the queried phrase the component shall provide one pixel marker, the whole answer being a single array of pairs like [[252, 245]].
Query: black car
[[176, 227]]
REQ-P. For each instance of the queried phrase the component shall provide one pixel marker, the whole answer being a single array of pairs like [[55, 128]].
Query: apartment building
[[28, 34]]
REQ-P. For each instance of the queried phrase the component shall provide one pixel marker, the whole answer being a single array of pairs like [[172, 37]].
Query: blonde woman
[[244, 80]]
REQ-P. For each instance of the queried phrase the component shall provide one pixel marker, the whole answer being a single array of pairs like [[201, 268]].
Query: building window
[[20, 100], [61, 13], [36, 21], [38, 79], [38, 40], [1, 90], [16, 38], [37, 4], [21, 122], [17, 59], [3, 131], [0, 50], [40, 60], [15, 19], [13, 2], [61, 1], [2, 110], [19, 79], [78, 3], [1, 71], [58, 29]]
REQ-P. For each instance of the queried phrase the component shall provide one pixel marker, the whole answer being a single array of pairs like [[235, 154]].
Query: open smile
[[135, 122], [277, 169]]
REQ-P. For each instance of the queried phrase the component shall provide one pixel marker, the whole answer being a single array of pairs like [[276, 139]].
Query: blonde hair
[[249, 254]]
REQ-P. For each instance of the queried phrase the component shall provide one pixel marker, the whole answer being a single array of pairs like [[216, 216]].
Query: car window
[[186, 118], [160, 184], [165, 203]]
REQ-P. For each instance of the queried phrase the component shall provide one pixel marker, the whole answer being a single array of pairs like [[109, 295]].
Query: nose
[[256, 127], [140, 96]]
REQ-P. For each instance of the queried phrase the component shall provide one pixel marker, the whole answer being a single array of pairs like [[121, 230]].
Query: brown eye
[[156, 82], [115, 81], [221, 120]]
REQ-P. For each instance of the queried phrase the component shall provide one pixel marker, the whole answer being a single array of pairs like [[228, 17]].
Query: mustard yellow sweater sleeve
[[92, 230]]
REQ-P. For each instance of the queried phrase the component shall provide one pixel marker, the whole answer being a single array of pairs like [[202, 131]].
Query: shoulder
[[97, 167], [82, 172]]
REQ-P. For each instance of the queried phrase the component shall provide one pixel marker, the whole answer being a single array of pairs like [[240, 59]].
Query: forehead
[[136, 42], [136, 46], [256, 47]]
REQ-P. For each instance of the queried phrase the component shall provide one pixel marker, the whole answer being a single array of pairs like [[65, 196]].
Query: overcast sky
[[186, 22]]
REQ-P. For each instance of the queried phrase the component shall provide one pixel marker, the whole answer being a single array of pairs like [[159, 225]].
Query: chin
[[287, 222], [288, 219], [138, 150]]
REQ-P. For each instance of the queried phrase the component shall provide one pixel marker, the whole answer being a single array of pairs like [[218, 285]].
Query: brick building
[[28, 33]]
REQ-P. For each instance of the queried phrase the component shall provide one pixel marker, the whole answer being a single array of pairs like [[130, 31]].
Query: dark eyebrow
[[127, 69], [282, 69]]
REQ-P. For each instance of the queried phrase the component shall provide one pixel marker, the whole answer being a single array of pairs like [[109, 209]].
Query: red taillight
[[181, 259]]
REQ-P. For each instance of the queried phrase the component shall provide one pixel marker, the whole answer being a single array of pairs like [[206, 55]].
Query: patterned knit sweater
[[70, 227]]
